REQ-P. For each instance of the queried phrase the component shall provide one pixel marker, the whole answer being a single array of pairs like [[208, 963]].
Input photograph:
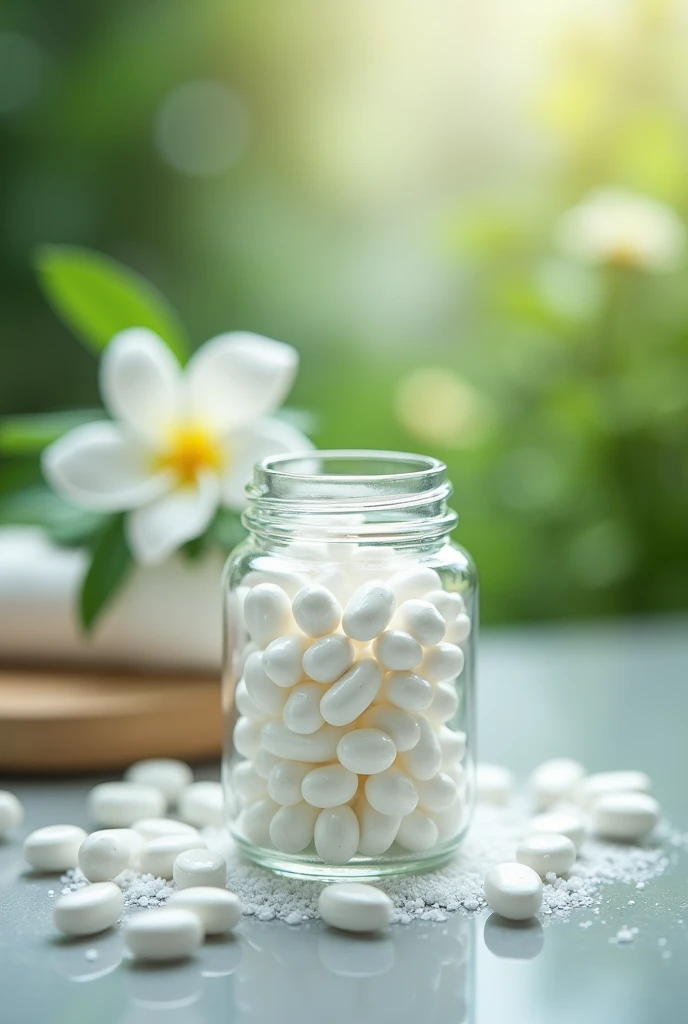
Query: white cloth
[[167, 617]]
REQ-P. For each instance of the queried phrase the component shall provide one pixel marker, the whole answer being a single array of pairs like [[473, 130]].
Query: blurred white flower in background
[[183, 441], [624, 229]]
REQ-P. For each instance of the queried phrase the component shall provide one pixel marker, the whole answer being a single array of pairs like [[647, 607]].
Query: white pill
[[284, 781], [330, 785], [408, 691], [366, 751], [398, 650], [316, 610], [391, 792], [199, 867], [450, 606], [246, 737], [104, 854], [493, 783], [459, 630], [11, 812], [218, 909], [417, 832], [302, 712], [319, 746], [282, 659], [369, 611], [163, 934], [247, 783], [630, 817], [450, 820], [202, 803], [355, 907], [547, 851], [254, 822], [453, 746], [594, 786], [54, 848], [444, 704], [264, 762], [422, 620], [400, 725], [437, 793], [267, 612], [514, 891], [352, 694], [292, 828], [120, 804], [89, 910], [443, 662], [289, 582], [164, 773], [158, 855], [554, 781], [414, 583], [561, 823], [246, 705], [336, 834], [424, 759], [328, 658], [377, 831], [152, 828], [262, 690]]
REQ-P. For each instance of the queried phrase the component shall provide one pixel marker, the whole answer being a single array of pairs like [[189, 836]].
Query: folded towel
[[167, 617]]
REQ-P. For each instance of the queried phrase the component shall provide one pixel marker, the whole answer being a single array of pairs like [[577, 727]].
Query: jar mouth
[[346, 474]]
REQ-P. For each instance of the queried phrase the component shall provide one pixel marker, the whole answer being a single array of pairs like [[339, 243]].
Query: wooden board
[[92, 720]]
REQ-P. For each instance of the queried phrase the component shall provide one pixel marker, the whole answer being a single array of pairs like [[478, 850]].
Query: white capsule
[[328, 658], [329, 786], [167, 774], [262, 690], [377, 831], [545, 852], [11, 812], [555, 781], [199, 866], [437, 793], [89, 910], [442, 663], [264, 762], [341, 581], [292, 827], [254, 822], [120, 804], [366, 751], [152, 828], [319, 746], [424, 759], [594, 786], [289, 582], [104, 854], [422, 620], [402, 727], [449, 821], [563, 823], [417, 832], [414, 583], [369, 611], [450, 606], [629, 817], [54, 847], [336, 834], [246, 706], [397, 650], [163, 934], [202, 803], [246, 737], [247, 783], [444, 704], [391, 792], [282, 659], [267, 612], [407, 691], [453, 746], [514, 891], [316, 610], [302, 711], [284, 781], [355, 907], [493, 783], [352, 694], [218, 909], [158, 855], [459, 630]]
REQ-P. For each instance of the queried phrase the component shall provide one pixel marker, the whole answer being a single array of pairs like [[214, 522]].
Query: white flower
[[621, 228], [182, 442]]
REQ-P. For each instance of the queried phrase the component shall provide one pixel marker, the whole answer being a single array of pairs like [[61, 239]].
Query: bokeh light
[[201, 128]]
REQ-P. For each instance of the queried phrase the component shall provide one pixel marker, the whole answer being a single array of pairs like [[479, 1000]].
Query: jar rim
[[391, 471]]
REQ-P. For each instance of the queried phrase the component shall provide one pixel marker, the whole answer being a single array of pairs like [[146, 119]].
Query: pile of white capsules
[[342, 712]]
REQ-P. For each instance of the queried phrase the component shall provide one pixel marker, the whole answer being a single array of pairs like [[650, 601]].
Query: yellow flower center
[[190, 449], [625, 254]]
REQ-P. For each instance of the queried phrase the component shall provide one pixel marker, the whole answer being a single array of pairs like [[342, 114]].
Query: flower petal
[[141, 383], [99, 467], [158, 529], [236, 378], [247, 447]]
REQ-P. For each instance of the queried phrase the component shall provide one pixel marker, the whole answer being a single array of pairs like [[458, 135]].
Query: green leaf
[[96, 297], [227, 530], [106, 574], [26, 435]]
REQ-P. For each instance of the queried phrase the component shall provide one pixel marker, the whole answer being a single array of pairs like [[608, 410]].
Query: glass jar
[[350, 628]]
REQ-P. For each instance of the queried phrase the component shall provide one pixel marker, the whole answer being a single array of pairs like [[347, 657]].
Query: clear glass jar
[[350, 629]]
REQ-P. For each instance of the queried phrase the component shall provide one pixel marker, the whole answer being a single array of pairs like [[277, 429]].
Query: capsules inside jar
[[347, 709]]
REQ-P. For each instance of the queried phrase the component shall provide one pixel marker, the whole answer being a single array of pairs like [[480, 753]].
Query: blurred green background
[[380, 184]]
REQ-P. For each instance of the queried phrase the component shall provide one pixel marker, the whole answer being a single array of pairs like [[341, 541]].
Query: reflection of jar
[[348, 687]]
